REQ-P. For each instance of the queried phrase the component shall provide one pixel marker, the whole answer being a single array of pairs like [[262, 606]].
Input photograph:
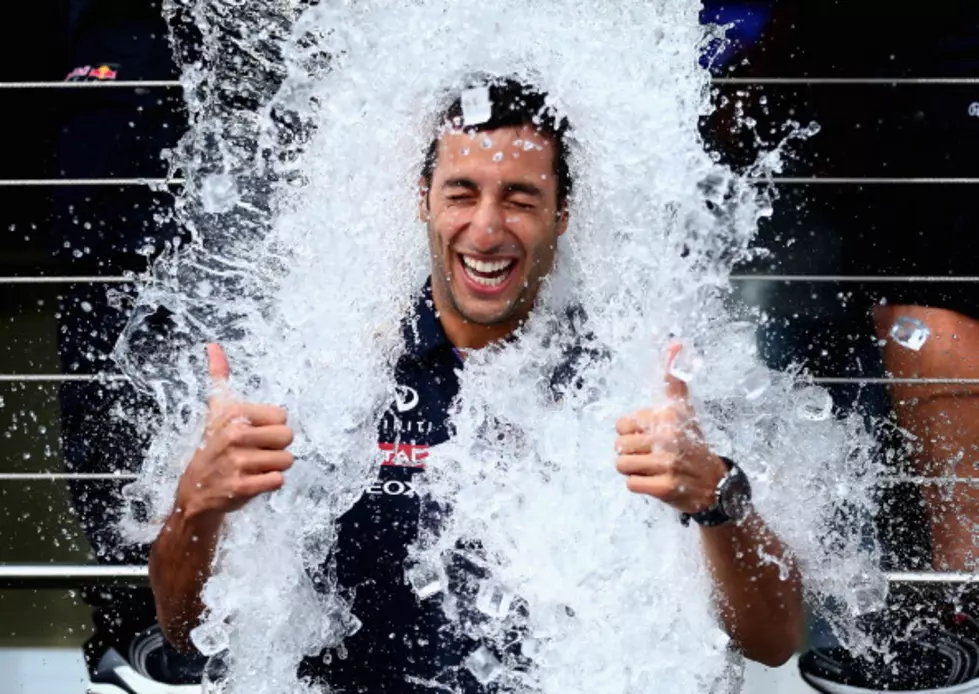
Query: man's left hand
[[663, 454]]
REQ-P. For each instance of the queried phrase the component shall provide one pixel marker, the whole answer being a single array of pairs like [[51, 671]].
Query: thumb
[[219, 371], [676, 389]]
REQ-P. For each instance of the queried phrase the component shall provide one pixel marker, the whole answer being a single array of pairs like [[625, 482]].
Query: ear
[[424, 213], [562, 222]]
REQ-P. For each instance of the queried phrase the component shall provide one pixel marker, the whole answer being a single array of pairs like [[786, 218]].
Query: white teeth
[[484, 266], [486, 281]]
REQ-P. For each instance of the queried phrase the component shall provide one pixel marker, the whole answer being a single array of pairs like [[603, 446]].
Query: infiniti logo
[[974, 109], [405, 398]]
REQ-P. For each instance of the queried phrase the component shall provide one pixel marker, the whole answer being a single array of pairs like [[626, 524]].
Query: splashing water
[[309, 131]]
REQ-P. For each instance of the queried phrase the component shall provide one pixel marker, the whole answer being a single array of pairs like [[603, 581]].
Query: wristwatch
[[732, 500]]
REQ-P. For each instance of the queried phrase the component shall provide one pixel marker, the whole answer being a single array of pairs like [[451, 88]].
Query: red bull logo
[[88, 72], [103, 72]]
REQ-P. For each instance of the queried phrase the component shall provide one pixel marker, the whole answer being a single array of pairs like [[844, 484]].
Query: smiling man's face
[[493, 223]]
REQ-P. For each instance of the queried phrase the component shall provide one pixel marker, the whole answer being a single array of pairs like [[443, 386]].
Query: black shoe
[[937, 659], [151, 666]]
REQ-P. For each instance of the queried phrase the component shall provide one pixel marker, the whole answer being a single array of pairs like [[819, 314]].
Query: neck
[[464, 334]]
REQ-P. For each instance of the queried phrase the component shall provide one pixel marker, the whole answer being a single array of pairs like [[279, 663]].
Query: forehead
[[505, 153]]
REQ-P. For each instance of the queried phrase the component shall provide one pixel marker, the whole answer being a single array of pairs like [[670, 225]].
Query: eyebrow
[[525, 188], [508, 188], [515, 187], [466, 183]]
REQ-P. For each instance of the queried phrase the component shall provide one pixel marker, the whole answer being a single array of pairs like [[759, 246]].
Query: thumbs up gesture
[[663, 454], [243, 452]]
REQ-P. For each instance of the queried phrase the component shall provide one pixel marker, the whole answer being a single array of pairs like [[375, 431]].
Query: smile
[[487, 273]]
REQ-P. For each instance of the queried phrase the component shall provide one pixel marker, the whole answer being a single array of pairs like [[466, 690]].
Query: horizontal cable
[[846, 278], [69, 576], [110, 279], [777, 180], [746, 81], [53, 182], [904, 81], [64, 476], [59, 378], [843, 380], [930, 576], [100, 84], [64, 575], [865, 180], [928, 481], [826, 380], [67, 279], [129, 476]]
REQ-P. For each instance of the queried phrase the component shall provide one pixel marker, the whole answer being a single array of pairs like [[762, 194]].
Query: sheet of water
[[309, 129]]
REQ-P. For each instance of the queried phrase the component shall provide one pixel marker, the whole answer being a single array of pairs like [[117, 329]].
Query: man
[[493, 224]]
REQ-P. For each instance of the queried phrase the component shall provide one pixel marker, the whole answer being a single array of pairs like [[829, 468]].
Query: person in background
[[107, 132], [926, 639], [925, 330]]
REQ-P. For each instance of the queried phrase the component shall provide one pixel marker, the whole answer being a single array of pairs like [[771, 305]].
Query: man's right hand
[[243, 452]]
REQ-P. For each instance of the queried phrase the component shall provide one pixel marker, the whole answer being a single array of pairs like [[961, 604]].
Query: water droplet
[[465, 151], [910, 332], [483, 665], [498, 156], [486, 142]]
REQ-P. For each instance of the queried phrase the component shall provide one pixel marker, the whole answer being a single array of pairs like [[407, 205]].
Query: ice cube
[[483, 665], [686, 364], [425, 579], [910, 332], [477, 107], [814, 404], [214, 678], [493, 599], [755, 382], [869, 592], [210, 637], [219, 193], [530, 647]]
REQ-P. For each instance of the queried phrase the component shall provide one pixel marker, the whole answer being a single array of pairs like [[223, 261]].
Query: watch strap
[[713, 516]]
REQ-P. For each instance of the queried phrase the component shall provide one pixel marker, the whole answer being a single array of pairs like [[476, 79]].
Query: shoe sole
[[118, 677], [829, 687]]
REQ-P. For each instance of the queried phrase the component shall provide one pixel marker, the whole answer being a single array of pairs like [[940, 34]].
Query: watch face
[[735, 495]]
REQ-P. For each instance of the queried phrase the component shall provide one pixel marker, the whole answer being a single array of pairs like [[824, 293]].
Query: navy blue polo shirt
[[402, 640]]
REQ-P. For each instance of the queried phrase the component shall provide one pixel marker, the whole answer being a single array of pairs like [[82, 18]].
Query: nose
[[486, 225]]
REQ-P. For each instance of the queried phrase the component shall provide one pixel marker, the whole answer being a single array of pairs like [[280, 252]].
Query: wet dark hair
[[513, 104]]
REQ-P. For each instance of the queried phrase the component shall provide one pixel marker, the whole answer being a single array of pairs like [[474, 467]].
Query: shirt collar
[[423, 330]]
